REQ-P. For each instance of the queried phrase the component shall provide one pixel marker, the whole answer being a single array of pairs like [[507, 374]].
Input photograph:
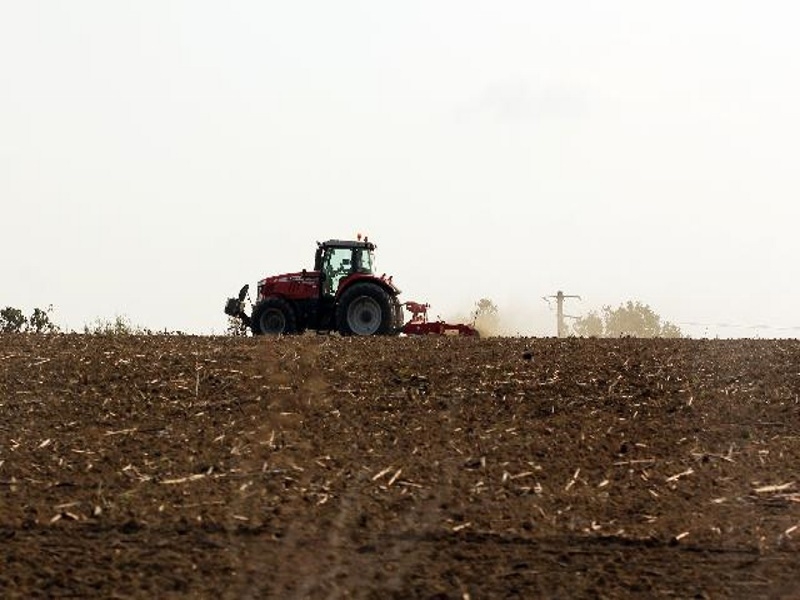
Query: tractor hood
[[300, 285], [287, 278]]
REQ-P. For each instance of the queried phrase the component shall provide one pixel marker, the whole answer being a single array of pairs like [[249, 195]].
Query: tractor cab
[[336, 260]]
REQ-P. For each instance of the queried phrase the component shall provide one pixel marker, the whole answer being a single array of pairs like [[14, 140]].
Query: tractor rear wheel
[[273, 316], [365, 309]]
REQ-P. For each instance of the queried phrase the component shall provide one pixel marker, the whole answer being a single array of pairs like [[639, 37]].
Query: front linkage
[[234, 307]]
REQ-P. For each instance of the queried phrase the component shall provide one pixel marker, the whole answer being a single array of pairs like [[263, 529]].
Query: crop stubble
[[321, 466]]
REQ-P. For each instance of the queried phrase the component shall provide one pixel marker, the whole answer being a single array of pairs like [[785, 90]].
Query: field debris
[[398, 467], [180, 480], [680, 475], [771, 489]]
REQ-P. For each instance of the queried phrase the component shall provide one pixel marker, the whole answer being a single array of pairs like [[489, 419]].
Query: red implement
[[419, 324]]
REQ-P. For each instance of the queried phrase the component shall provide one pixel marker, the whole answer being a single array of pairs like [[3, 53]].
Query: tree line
[[13, 320]]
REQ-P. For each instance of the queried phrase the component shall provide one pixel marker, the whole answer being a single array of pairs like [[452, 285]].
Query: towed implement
[[341, 293]]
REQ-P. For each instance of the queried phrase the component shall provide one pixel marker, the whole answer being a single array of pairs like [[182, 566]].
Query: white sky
[[156, 155]]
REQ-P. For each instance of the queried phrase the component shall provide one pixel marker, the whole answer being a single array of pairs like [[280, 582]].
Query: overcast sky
[[156, 155]]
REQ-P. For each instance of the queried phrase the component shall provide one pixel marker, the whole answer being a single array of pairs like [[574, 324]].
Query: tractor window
[[362, 261], [336, 264]]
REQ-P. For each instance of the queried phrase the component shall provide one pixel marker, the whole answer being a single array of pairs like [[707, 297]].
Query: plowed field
[[328, 467]]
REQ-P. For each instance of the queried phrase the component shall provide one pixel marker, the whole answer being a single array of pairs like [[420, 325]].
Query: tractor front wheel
[[365, 309], [273, 316]]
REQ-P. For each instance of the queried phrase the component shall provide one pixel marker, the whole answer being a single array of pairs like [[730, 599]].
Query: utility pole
[[560, 296]]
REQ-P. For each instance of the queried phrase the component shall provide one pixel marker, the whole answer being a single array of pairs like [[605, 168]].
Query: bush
[[121, 325], [485, 317]]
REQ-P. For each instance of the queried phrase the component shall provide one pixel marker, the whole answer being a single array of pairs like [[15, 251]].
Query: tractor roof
[[347, 244]]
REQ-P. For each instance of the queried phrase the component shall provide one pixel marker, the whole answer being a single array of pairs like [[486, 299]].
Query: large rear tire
[[365, 309], [273, 316]]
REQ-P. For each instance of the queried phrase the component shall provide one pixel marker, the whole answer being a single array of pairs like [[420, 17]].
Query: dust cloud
[[507, 321]]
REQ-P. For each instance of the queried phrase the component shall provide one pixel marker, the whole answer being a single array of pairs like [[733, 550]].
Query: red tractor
[[342, 294]]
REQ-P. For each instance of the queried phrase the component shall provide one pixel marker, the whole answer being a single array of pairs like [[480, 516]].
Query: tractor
[[342, 293]]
